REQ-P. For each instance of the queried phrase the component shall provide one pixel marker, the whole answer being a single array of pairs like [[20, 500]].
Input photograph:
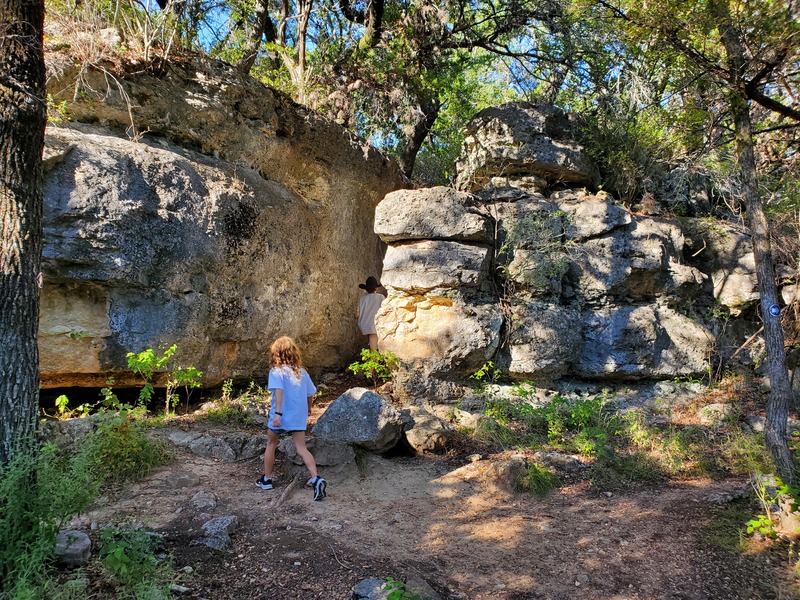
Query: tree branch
[[756, 95]]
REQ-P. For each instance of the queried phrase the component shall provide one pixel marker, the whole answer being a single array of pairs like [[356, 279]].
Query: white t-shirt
[[368, 306], [296, 392]]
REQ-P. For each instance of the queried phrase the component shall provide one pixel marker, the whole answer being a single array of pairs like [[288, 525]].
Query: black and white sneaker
[[319, 488], [265, 483]]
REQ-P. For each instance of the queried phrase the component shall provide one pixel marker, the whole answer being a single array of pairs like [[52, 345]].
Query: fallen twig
[[348, 567], [285, 494], [747, 342]]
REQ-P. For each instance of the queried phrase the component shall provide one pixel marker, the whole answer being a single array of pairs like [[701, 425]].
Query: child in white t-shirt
[[291, 389], [368, 306]]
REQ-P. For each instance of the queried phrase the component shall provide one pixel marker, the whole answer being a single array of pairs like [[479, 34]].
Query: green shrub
[[41, 492], [538, 481], [28, 527], [375, 365], [128, 557], [580, 425], [120, 450]]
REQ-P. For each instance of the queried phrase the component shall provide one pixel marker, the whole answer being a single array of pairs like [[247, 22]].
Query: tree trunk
[[23, 115], [780, 387], [427, 112], [260, 26]]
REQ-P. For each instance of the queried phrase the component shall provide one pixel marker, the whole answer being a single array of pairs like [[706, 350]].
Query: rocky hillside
[[199, 208], [196, 207], [527, 268]]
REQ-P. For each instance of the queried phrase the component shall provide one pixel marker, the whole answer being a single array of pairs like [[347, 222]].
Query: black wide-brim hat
[[372, 284]]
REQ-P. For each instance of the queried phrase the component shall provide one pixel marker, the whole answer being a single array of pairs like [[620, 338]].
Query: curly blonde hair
[[284, 352]]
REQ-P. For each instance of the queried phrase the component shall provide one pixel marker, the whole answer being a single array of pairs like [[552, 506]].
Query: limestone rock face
[[644, 341], [572, 284], [434, 213], [438, 335], [638, 261], [238, 218], [520, 139], [590, 216], [727, 255], [435, 264], [543, 339]]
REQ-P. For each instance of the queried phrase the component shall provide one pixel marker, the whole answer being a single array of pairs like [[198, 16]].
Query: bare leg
[[373, 341], [269, 453], [299, 439]]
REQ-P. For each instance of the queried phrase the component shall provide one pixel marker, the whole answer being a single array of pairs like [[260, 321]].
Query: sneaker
[[265, 483], [319, 488]]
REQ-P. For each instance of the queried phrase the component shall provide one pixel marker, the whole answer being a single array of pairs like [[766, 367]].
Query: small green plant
[[56, 111], [62, 404], [188, 378], [375, 365], [128, 556], [147, 364], [227, 390], [538, 481], [120, 550], [65, 412], [771, 491], [487, 374], [761, 524], [397, 590]]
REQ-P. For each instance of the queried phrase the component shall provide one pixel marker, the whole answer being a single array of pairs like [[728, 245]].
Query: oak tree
[[22, 123]]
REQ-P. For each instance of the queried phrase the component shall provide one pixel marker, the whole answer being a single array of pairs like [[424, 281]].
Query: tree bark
[[371, 18], [427, 112], [780, 387], [260, 26], [23, 115]]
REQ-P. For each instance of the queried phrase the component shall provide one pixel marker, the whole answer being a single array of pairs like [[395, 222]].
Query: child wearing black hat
[[368, 306]]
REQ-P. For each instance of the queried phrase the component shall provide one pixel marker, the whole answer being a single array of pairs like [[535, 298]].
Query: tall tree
[[749, 52], [23, 115]]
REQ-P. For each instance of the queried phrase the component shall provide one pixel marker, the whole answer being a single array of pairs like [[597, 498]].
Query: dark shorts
[[284, 431]]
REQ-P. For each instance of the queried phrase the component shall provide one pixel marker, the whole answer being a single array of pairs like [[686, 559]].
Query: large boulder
[[520, 139], [433, 213], [360, 417], [426, 432], [433, 264], [236, 218], [438, 334]]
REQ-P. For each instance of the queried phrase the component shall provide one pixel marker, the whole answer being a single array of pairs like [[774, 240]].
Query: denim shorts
[[285, 431]]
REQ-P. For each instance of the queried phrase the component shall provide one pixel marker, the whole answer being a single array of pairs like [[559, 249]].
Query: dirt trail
[[441, 520]]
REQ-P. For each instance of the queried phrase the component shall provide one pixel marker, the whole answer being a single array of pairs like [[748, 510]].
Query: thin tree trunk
[[780, 387], [428, 112], [22, 120], [260, 25], [304, 10]]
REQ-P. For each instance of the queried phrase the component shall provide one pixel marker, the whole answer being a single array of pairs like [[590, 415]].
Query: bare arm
[[276, 421]]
